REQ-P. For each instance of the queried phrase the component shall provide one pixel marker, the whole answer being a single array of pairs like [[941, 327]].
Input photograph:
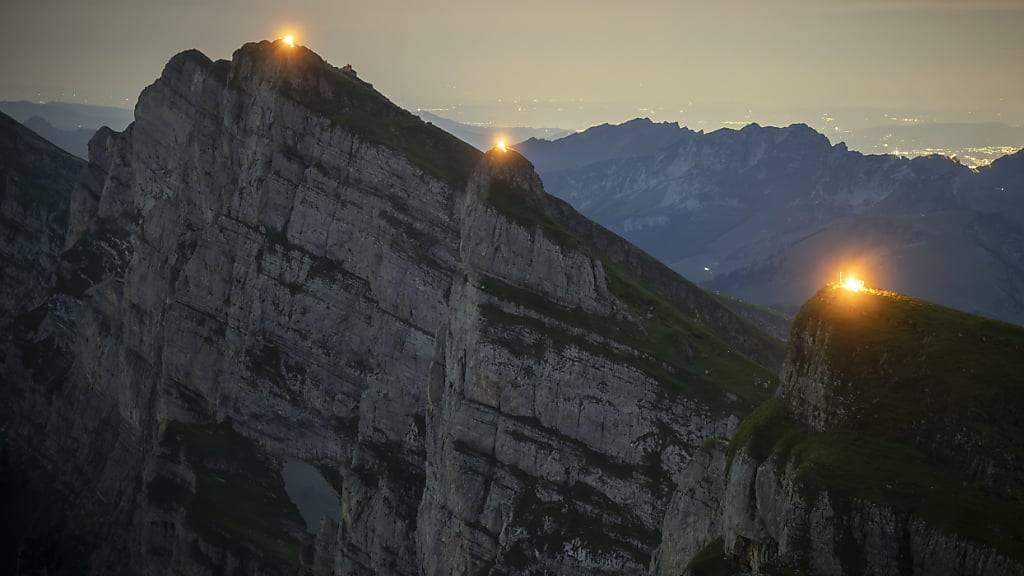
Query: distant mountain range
[[484, 137], [68, 125], [74, 141], [68, 115], [771, 214]]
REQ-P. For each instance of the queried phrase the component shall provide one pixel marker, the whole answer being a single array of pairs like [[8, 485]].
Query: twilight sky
[[567, 63]]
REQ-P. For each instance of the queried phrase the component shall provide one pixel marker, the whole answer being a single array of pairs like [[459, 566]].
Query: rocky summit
[[274, 264], [279, 325], [891, 447]]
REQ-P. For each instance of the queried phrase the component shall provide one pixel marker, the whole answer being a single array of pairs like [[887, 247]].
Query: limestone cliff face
[[274, 262], [549, 443], [891, 448]]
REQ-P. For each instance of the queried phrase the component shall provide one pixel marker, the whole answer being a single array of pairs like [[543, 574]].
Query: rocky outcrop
[[36, 180], [273, 261], [873, 457], [549, 439]]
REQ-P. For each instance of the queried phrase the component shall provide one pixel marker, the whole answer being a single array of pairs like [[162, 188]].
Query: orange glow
[[289, 39], [851, 283], [501, 145]]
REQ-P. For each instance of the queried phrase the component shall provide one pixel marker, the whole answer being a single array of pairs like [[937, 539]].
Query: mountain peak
[[296, 75], [512, 171], [841, 372]]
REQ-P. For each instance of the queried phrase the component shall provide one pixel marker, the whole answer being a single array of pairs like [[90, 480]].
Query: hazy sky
[[583, 61]]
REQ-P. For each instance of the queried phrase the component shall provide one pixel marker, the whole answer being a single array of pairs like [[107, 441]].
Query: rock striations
[[276, 269], [892, 447], [273, 263]]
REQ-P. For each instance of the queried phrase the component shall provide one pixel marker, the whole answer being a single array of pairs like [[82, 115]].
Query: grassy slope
[[934, 396], [346, 100], [685, 356], [666, 338]]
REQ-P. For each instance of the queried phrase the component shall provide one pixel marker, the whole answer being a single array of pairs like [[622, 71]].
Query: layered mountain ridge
[[273, 262], [770, 214], [483, 136]]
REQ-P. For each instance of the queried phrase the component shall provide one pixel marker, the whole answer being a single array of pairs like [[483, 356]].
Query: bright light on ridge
[[851, 283]]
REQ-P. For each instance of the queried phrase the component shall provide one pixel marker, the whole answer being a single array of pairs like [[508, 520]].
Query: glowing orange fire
[[289, 39], [851, 283], [500, 144]]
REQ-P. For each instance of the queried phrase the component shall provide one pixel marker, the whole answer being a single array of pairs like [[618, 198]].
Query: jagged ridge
[[274, 262]]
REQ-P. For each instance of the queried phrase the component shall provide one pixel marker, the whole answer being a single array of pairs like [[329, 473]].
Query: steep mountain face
[[770, 214], [892, 447], [274, 264], [36, 179]]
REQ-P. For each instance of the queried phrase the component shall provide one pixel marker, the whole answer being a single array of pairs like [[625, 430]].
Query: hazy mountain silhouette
[[73, 141], [484, 137], [770, 214], [68, 115]]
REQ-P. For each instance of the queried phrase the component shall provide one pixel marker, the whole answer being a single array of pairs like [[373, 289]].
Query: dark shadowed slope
[[36, 180], [893, 447]]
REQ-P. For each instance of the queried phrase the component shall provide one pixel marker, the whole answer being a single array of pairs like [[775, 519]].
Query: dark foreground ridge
[[896, 424]]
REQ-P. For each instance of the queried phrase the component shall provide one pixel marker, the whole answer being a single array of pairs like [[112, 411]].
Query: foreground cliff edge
[[274, 263], [893, 446]]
